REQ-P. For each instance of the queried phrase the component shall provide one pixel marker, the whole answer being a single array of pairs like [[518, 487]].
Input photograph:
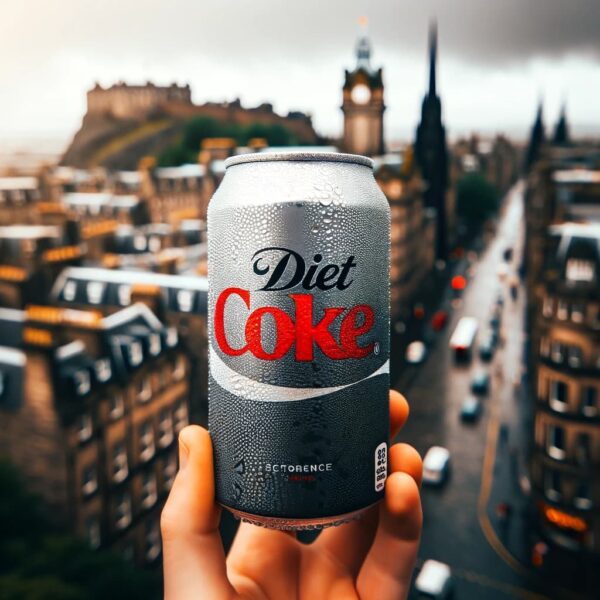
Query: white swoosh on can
[[250, 389]]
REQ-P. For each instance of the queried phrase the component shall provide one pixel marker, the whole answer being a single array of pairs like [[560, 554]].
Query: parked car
[[416, 353], [470, 409], [487, 346], [439, 320], [436, 465], [480, 384], [434, 580], [496, 318]]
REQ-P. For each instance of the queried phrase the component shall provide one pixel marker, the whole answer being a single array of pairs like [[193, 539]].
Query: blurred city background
[[484, 124]]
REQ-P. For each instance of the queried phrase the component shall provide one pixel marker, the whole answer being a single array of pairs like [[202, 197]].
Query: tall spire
[[561, 131], [432, 56]]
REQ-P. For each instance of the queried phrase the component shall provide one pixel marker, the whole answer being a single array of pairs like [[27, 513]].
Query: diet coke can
[[298, 251]]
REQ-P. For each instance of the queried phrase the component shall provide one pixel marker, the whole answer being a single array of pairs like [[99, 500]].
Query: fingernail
[[184, 452]]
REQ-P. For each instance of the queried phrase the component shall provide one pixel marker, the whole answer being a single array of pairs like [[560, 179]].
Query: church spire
[[432, 56], [561, 132]]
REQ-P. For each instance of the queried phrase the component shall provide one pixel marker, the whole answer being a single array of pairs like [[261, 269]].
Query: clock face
[[361, 94]]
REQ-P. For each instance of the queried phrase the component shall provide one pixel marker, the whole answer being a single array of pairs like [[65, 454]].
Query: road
[[460, 525]]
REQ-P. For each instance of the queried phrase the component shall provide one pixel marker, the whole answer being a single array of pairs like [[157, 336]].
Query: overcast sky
[[496, 58]]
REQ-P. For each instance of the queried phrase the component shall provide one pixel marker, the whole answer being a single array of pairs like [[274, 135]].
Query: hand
[[367, 559]]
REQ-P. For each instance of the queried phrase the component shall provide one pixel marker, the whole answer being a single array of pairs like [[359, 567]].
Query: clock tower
[[362, 104]]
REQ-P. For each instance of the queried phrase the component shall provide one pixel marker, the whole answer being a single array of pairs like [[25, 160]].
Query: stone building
[[136, 102], [31, 256], [412, 229], [90, 409], [565, 463], [180, 302], [362, 105], [19, 197]]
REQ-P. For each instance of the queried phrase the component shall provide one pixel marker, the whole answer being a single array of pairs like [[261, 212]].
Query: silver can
[[298, 267]]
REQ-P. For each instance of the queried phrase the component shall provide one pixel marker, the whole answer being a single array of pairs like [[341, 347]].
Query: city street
[[461, 527]]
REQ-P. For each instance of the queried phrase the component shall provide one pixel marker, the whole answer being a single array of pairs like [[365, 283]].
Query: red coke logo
[[303, 333]]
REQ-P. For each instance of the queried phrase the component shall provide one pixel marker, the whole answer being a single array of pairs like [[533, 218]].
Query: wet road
[[459, 518]]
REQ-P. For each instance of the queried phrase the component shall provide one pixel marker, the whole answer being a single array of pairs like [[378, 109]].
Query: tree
[[39, 562], [477, 199]]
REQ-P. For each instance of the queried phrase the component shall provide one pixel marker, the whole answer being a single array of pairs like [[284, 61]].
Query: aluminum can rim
[[299, 156]]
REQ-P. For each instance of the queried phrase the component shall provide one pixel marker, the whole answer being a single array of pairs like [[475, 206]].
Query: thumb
[[193, 555]]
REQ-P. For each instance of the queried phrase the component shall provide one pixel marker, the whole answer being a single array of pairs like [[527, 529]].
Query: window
[[165, 428], [92, 531], [562, 311], [556, 442], [583, 496], [179, 368], [589, 402], [185, 300], [120, 466], [82, 382], [154, 344], [583, 449], [116, 406], [545, 347], [547, 307], [557, 352], [579, 270], [169, 471], [575, 358], [553, 486], [144, 389], [135, 353], [90, 480], [146, 441], [84, 427], [172, 337], [152, 537], [148, 490], [139, 242], [180, 417], [558, 396], [70, 290], [95, 290], [577, 313], [122, 510], [103, 369], [124, 293]]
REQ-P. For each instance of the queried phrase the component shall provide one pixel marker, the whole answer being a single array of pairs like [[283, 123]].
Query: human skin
[[372, 558]]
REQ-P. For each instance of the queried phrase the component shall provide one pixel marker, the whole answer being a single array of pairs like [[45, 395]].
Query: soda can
[[298, 318]]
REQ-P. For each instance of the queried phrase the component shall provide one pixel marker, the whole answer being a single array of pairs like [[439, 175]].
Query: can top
[[299, 156]]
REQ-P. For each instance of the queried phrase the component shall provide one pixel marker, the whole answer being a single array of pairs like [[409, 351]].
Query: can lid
[[299, 156]]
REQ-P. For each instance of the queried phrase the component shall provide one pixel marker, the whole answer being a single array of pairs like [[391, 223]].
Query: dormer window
[[136, 356], [557, 352], [185, 300], [123, 510], [82, 382], [172, 337], [180, 417], [575, 357], [547, 306], [120, 465], [179, 368], [95, 290], [116, 406], [562, 312], [124, 293], [558, 396], [165, 428], [144, 392], [154, 344], [152, 538], [579, 270], [69, 290], [103, 369]]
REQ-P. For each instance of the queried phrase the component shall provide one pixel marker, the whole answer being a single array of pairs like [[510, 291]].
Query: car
[[496, 318], [439, 320], [416, 353], [470, 409], [436, 465], [488, 345], [434, 580], [480, 384]]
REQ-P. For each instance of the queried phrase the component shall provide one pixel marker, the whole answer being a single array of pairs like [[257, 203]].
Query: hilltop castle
[[124, 101]]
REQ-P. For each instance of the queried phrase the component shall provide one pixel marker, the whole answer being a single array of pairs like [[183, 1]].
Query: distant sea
[[26, 154]]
